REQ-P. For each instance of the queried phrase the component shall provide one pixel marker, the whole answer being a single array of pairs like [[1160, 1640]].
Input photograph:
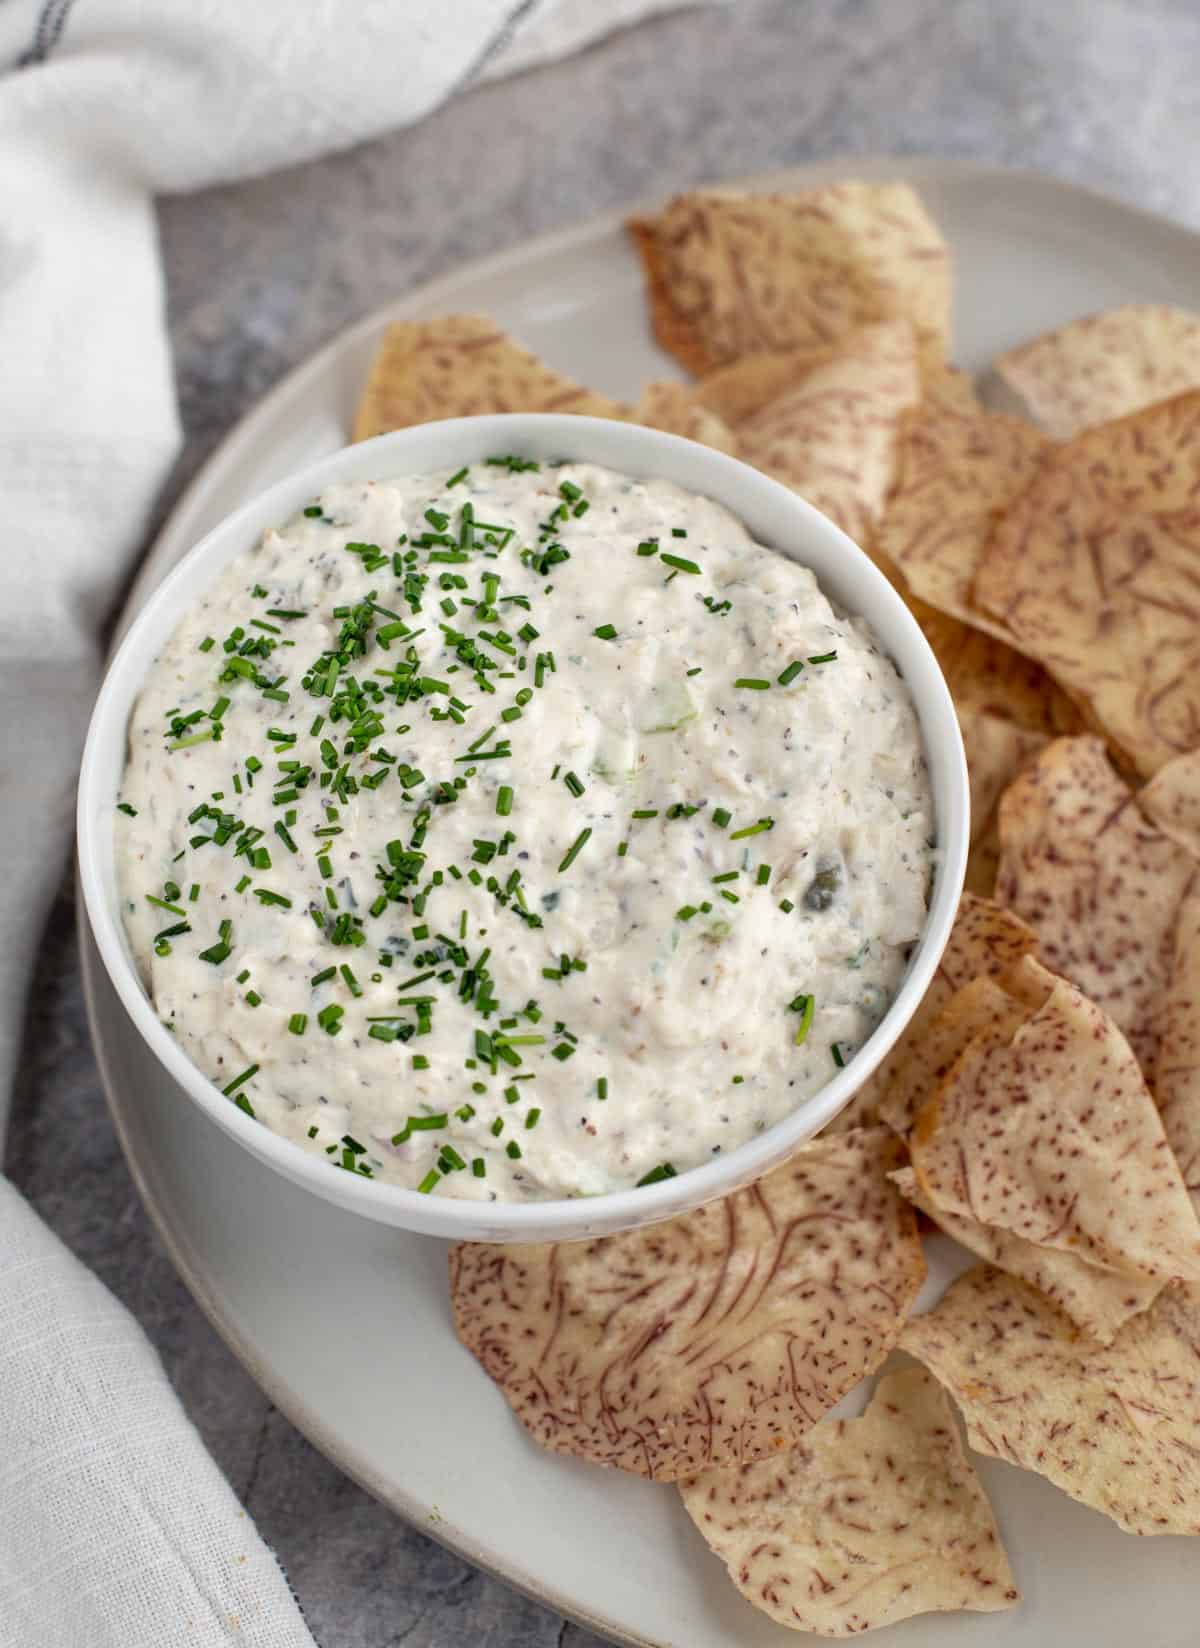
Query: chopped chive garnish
[[298, 1023], [238, 1081], [721, 816], [479, 1167], [754, 682], [605, 632], [124, 807], [679, 562], [664, 1170], [836, 1050], [685, 912], [787, 676], [648, 546], [532, 1119], [805, 1006], [823, 658], [729, 875], [460, 475], [762, 875], [574, 784], [786, 905], [574, 850], [753, 829], [428, 1182], [644, 812], [504, 800], [602, 1087], [513, 1149]]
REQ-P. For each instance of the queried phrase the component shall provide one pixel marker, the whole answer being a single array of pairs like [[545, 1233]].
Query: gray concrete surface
[[1102, 91]]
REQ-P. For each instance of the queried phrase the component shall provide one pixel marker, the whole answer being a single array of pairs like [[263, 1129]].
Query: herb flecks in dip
[[522, 832]]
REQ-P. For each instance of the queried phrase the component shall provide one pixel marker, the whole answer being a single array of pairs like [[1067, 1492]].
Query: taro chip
[[1172, 801], [1115, 1426], [987, 675], [1093, 572], [865, 1522], [673, 407], [1044, 1127], [1177, 1079], [984, 941], [1099, 1302], [1104, 366], [832, 437], [997, 751], [959, 468], [731, 274], [1097, 882], [460, 365], [712, 1340]]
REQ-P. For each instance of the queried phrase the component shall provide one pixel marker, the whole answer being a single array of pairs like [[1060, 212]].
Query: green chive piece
[[805, 1006], [721, 816], [605, 632], [574, 784], [574, 850], [664, 1170], [787, 676], [298, 1023], [753, 829], [823, 658], [754, 682], [786, 905], [238, 1081], [679, 562], [504, 800], [602, 1087], [838, 1059]]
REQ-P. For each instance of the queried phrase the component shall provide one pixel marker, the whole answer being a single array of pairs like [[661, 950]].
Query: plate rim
[[165, 550]]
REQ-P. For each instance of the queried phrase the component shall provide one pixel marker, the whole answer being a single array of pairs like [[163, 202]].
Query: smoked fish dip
[[523, 832]]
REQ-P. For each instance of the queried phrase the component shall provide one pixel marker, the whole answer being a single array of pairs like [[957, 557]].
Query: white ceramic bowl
[[775, 516]]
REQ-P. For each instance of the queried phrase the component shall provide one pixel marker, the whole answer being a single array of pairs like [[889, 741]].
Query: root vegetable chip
[[958, 469], [1096, 880], [1105, 366], [460, 365], [986, 674], [1172, 801], [671, 406], [985, 941], [713, 1340], [997, 751], [832, 437], [1046, 1129], [1099, 1302], [1094, 571], [868, 1521], [1177, 1079], [732, 274], [1115, 1426]]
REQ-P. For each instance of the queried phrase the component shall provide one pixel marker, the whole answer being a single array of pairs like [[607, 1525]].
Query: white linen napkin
[[116, 1530]]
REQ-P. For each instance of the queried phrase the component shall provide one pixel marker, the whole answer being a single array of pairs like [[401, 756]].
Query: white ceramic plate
[[390, 1396]]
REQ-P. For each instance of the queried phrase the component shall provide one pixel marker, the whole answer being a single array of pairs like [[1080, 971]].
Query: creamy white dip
[[525, 855]]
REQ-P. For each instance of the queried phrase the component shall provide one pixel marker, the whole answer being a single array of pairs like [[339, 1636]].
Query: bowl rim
[[558, 1218]]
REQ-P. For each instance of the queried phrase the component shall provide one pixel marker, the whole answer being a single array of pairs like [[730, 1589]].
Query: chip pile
[[1043, 1107]]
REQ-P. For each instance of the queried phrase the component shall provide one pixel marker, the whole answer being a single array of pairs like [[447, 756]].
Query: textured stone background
[[1102, 91]]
